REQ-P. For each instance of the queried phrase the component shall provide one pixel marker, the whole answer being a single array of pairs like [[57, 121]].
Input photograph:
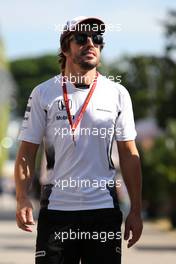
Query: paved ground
[[157, 245]]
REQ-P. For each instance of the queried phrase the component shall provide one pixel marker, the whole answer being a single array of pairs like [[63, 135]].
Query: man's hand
[[24, 215], [133, 228]]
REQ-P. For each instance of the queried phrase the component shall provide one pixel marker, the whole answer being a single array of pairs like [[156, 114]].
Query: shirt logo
[[61, 104], [64, 117]]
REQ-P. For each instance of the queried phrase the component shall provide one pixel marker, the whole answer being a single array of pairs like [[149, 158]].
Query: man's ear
[[66, 53]]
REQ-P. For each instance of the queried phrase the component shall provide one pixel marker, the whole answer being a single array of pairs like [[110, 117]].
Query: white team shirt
[[77, 176]]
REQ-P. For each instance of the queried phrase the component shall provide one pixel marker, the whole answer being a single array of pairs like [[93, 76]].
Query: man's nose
[[90, 41]]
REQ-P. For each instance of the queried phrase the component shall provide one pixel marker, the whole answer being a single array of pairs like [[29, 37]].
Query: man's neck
[[78, 76]]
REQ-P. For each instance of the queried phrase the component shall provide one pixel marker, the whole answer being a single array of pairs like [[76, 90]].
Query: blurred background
[[141, 54]]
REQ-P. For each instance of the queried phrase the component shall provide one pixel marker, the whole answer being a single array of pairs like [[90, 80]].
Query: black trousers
[[66, 237]]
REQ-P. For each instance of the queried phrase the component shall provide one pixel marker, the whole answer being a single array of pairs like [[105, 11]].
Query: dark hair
[[61, 57], [65, 47]]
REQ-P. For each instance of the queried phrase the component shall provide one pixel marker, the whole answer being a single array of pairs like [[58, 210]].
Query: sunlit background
[[142, 54]]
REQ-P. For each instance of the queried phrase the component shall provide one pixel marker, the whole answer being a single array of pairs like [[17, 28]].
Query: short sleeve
[[34, 122], [125, 126]]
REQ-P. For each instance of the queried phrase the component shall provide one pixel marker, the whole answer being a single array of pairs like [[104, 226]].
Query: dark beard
[[84, 64]]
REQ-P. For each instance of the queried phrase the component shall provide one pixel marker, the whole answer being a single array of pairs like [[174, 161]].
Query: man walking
[[78, 114]]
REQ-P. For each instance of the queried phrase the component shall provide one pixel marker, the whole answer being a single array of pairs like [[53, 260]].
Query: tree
[[28, 73], [170, 32], [159, 169]]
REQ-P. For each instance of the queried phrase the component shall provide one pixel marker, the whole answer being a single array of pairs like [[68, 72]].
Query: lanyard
[[84, 106]]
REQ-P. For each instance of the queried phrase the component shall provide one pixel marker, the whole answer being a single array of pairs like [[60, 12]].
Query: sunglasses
[[81, 38]]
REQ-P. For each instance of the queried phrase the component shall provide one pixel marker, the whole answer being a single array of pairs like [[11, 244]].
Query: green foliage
[[28, 73], [159, 168], [170, 31]]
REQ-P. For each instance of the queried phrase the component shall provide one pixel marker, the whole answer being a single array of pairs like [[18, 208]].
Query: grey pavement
[[156, 246]]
